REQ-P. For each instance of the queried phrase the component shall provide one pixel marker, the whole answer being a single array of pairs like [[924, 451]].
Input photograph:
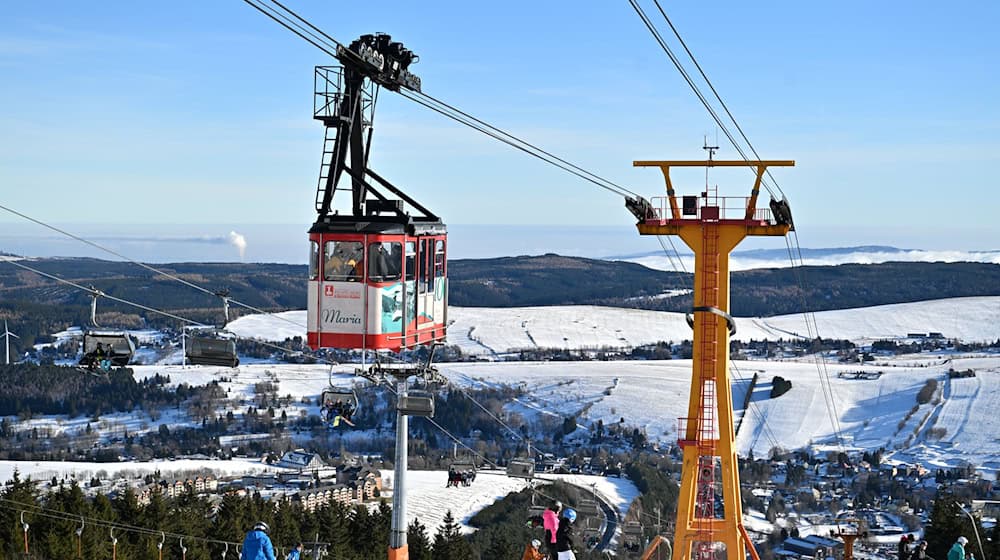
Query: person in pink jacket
[[550, 521]]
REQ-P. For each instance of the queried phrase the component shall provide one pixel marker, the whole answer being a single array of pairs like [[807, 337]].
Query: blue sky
[[200, 112]]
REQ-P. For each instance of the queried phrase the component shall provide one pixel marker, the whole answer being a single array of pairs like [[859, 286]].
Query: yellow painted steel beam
[[675, 229], [714, 163]]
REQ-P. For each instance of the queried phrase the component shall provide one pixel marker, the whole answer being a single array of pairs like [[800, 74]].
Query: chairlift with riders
[[104, 349]]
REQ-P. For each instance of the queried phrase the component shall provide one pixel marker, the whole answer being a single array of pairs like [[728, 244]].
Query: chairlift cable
[[44, 511], [443, 108], [158, 311], [150, 268], [535, 150], [812, 328]]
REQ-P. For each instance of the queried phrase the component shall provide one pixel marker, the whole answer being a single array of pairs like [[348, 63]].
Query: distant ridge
[[38, 306], [832, 256], [783, 252]]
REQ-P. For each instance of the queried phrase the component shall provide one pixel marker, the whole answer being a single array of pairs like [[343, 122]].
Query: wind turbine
[[6, 335]]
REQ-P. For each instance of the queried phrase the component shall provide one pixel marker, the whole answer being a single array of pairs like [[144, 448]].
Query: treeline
[[503, 527], [347, 533], [28, 389]]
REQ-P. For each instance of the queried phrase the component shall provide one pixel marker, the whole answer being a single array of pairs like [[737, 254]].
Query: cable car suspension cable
[[324, 43], [793, 243]]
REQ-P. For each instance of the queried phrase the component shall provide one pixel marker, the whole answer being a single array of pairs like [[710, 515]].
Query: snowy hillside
[[486, 331], [958, 424]]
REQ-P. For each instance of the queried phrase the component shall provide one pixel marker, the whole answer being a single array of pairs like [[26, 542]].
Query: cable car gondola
[[377, 268], [104, 349]]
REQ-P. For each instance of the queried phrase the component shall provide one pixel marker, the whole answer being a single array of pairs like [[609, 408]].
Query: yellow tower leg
[[709, 440], [707, 530]]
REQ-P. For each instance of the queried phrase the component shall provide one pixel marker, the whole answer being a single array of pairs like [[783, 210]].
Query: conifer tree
[[418, 541], [947, 523], [449, 544]]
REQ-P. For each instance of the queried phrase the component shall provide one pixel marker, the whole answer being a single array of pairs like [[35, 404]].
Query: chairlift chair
[[632, 534], [461, 473], [218, 349], [416, 403], [212, 351], [338, 405], [333, 395], [591, 529], [463, 466], [521, 467], [117, 347], [588, 507], [534, 510]]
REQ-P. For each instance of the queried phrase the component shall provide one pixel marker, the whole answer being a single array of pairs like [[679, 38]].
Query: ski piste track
[[611, 515]]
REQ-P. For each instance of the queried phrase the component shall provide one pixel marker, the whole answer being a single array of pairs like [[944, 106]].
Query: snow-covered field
[[488, 331], [957, 425]]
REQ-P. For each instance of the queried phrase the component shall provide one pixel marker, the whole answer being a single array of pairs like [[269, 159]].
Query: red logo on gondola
[[328, 290]]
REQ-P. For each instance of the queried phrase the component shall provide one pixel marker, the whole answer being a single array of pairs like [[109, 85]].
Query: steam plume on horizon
[[238, 241]]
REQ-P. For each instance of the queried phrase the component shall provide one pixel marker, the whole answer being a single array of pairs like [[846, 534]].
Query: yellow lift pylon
[[711, 226]]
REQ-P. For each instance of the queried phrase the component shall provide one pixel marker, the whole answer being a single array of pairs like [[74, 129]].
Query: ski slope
[[490, 331], [652, 395]]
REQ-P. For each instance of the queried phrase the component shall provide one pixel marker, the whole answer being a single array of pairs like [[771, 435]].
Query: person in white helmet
[[257, 545], [533, 551], [957, 551]]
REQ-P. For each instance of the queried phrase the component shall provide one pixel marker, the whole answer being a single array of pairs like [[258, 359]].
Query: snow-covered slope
[[496, 330]]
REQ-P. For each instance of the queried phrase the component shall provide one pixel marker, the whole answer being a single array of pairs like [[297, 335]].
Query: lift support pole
[[712, 229], [398, 549]]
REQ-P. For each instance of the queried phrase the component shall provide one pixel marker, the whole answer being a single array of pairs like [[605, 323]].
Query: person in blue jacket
[[257, 545], [296, 553]]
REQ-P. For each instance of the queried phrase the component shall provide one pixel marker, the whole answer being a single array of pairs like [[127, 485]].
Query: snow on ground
[[652, 395], [428, 500], [276, 326], [485, 331], [959, 424], [619, 492], [42, 470]]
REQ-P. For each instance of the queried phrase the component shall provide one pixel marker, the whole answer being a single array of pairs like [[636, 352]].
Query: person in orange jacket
[[532, 552]]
